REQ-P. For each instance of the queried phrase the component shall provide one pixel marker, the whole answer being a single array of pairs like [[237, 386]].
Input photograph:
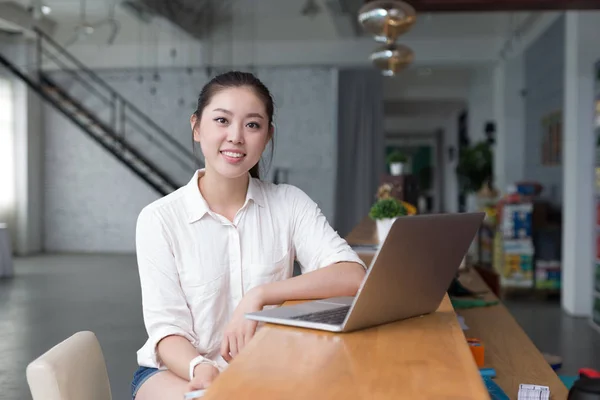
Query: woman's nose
[[235, 134]]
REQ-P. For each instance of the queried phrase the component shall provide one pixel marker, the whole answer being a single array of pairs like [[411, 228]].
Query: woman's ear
[[195, 124]]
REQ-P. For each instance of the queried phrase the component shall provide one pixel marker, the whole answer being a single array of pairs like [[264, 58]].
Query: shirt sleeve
[[164, 306], [316, 243]]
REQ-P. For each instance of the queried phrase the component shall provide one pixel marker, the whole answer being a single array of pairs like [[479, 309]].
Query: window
[[7, 153]]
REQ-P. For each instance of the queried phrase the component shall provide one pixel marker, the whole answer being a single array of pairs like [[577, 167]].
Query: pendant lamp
[[392, 58], [386, 19]]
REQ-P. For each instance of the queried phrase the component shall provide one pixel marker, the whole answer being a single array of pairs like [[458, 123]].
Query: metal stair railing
[[97, 130], [121, 116]]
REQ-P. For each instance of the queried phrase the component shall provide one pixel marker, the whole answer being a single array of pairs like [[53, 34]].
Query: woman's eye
[[221, 120], [253, 125]]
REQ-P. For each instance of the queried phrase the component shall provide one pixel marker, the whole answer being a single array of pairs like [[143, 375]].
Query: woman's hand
[[240, 330], [204, 375]]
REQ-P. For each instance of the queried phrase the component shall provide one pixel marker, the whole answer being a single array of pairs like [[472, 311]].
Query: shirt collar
[[255, 192], [197, 206]]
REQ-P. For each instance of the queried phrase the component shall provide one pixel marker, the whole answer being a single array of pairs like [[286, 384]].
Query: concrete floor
[[54, 296]]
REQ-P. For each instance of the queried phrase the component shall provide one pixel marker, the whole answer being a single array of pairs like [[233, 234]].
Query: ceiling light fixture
[[392, 58], [386, 20]]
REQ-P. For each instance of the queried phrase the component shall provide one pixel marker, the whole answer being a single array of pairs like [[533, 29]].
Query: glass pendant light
[[392, 58], [386, 19]]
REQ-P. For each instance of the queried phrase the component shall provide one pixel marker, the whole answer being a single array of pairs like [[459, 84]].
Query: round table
[[6, 263]]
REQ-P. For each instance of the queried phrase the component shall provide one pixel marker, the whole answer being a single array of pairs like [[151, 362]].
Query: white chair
[[6, 262], [72, 370]]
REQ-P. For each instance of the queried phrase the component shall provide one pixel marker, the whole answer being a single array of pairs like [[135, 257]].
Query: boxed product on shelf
[[547, 274], [517, 269], [517, 220], [498, 262], [518, 246]]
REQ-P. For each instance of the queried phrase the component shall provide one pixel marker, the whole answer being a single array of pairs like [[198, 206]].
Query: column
[[29, 151], [509, 114], [581, 52]]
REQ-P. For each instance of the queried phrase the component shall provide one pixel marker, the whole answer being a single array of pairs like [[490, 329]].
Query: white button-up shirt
[[195, 265]]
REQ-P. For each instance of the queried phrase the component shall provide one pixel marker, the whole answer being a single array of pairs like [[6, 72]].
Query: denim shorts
[[140, 376]]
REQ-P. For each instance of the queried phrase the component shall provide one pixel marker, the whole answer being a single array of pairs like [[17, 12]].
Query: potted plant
[[474, 170], [386, 209], [396, 161]]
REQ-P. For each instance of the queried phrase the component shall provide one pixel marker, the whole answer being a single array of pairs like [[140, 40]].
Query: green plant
[[387, 208], [475, 166], [396, 157]]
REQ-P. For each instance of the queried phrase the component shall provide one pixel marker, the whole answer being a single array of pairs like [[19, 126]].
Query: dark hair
[[235, 79]]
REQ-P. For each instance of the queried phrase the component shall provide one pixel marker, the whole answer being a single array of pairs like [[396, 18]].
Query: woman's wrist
[[203, 365], [200, 363], [258, 296]]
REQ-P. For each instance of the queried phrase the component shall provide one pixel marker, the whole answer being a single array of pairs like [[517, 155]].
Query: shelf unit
[[595, 319]]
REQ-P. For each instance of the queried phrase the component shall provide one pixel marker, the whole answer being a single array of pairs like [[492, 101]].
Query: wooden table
[[419, 358], [508, 349]]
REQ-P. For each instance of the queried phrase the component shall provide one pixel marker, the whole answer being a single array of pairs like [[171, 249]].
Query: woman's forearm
[[341, 279], [176, 352]]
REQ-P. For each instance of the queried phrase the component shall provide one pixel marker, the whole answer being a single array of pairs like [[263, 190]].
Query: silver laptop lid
[[413, 269]]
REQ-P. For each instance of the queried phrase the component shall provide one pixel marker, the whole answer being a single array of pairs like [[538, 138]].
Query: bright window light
[[7, 152]]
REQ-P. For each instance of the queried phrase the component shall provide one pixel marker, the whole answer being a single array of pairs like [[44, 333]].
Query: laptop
[[408, 277]]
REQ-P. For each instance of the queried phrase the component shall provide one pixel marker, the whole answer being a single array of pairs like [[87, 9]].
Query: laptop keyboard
[[331, 317]]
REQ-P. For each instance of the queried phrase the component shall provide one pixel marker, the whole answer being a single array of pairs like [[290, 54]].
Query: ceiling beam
[[501, 5]]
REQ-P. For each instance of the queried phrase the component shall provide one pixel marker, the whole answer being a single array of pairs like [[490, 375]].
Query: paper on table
[[533, 392]]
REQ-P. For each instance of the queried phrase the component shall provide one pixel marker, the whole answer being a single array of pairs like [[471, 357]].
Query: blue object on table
[[487, 372], [495, 391], [568, 380]]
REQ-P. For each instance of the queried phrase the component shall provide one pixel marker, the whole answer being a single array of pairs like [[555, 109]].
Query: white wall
[[480, 102], [92, 201], [544, 64]]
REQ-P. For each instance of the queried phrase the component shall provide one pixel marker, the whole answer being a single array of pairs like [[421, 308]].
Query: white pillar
[[450, 145], [578, 243], [501, 146], [509, 115], [29, 151]]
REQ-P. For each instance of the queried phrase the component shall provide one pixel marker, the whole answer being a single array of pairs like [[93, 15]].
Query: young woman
[[224, 245]]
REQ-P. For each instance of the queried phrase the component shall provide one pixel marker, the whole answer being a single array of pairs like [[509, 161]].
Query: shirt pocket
[[203, 282], [204, 288], [270, 271]]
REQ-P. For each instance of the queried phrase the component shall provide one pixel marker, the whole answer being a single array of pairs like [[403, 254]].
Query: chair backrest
[[72, 370]]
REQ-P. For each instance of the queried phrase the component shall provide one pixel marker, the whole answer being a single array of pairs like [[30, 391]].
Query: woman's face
[[233, 131]]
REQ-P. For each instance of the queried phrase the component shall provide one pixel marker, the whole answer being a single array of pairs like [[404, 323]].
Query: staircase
[[113, 122]]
